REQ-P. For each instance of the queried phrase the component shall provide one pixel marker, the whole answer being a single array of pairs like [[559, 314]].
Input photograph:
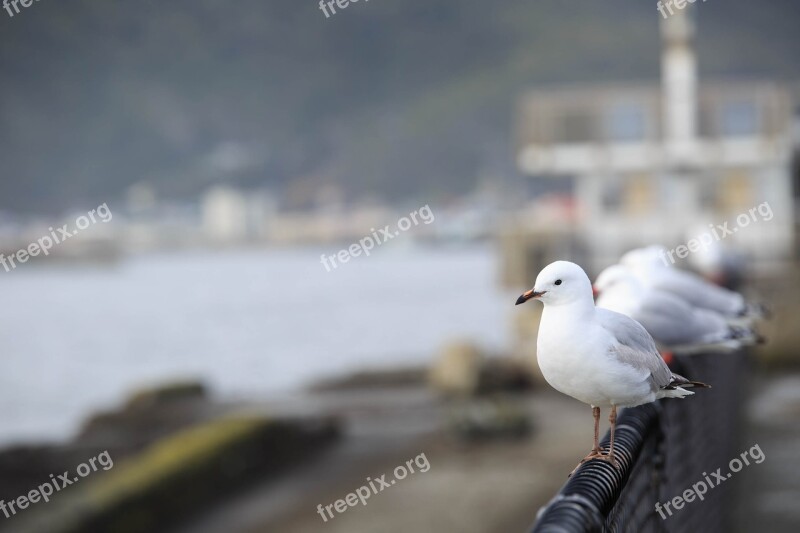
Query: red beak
[[528, 295]]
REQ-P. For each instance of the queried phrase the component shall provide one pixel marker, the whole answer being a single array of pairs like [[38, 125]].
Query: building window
[[708, 192], [739, 118], [638, 194], [577, 127], [626, 122], [736, 193], [611, 198]]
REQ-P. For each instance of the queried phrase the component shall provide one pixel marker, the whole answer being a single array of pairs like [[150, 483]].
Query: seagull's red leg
[[613, 419], [610, 456], [595, 453]]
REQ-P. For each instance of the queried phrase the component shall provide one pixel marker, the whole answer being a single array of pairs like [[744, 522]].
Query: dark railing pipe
[[662, 448], [584, 503]]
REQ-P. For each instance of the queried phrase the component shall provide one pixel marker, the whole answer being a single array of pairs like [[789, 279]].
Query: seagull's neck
[[572, 312]]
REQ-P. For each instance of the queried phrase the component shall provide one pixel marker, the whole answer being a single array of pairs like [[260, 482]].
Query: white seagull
[[652, 267], [674, 323], [597, 356]]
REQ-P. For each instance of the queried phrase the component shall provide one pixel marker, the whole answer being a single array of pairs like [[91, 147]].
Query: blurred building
[[233, 216], [651, 163]]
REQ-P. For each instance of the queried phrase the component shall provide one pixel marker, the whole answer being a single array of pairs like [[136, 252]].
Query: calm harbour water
[[248, 323]]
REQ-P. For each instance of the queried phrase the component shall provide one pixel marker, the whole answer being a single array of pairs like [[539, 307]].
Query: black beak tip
[[521, 300]]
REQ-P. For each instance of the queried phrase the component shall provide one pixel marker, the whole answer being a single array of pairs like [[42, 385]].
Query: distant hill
[[395, 98]]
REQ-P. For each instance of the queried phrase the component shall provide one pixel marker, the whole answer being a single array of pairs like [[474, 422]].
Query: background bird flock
[[611, 353]]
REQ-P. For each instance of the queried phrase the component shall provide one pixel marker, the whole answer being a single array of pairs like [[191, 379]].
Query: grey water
[[76, 339]]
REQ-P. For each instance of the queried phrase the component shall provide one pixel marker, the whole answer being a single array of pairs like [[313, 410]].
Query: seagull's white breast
[[575, 358]]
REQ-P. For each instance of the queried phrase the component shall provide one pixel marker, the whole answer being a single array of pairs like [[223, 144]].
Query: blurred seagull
[[651, 266], [674, 324], [597, 356]]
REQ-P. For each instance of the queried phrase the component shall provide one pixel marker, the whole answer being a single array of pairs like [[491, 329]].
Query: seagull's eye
[[558, 282]]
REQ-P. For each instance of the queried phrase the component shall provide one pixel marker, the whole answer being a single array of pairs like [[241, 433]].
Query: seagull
[[675, 324], [653, 269], [597, 356]]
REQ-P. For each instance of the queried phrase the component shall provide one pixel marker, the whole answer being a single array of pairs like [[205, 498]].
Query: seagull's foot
[[594, 454], [611, 458], [597, 454]]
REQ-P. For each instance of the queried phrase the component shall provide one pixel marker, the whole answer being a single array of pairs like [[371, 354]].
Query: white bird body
[[695, 290], [653, 271], [673, 322], [572, 364], [599, 357]]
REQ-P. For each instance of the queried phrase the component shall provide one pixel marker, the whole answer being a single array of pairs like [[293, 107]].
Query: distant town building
[[233, 216], [651, 163], [224, 212]]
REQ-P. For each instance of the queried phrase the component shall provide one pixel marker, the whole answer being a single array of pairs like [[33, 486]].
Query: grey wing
[[666, 317], [672, 321], [635, 347], [701, 293]]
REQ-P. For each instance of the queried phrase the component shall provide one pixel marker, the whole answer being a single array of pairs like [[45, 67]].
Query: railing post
[[662, 448]]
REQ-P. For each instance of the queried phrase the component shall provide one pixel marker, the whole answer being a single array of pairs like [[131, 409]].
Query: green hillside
[[392, 98]]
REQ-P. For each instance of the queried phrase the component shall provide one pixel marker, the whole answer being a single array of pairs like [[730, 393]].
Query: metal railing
[[663, 448]]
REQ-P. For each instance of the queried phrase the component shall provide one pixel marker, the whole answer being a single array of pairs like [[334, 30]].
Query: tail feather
[[678, 387], [756, 310], [675, 392], [679, 381], [748, 336]]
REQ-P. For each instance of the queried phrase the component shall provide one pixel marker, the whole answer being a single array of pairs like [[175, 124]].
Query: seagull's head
[[560, 283], [649, 257], [615, 276]]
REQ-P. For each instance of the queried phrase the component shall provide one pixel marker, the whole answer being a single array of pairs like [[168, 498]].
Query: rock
[[181, 475], [504, 375], [154, 397], [150, 414], [373, 379], [457, 370], [496, 419], [463, 370]]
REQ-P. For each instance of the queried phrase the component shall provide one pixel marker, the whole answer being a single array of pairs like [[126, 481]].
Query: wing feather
[[635, 347]]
